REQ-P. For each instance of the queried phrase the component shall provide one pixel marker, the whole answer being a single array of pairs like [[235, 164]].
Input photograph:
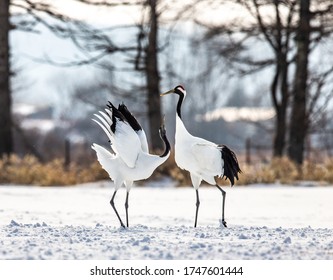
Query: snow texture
[[264, 222]]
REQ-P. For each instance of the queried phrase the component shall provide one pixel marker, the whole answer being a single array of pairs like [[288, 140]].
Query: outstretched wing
[[125, 142], [133, 122]]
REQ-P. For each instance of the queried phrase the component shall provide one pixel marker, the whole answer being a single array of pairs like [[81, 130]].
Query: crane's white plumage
[[143, 140], [125, 141], [131, 160], [204, 160], [136, 127], [199, 156]]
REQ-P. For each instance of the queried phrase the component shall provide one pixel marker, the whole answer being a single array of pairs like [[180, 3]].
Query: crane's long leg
[[115, 210], [223, 203], [197, 208], [126, 207]]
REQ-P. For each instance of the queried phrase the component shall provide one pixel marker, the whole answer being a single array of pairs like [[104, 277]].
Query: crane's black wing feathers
[[116, 116], [133, 122], [231, 166]]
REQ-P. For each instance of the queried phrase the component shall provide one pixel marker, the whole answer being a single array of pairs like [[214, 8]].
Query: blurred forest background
[[258, 75]]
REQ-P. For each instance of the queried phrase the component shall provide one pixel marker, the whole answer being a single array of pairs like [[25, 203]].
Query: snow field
[[264, 222]]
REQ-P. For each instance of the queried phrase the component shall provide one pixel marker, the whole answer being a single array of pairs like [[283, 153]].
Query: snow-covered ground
[[264, 222]]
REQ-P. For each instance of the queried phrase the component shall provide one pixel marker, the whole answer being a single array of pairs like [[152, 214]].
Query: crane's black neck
[[166, 144], [179, 104]]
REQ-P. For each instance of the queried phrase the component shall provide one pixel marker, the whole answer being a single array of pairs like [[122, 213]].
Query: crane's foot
[[224, 223]]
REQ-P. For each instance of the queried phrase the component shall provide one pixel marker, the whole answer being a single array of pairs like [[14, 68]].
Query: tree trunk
[[153, 79], [280, 85], [280, 133], [299, 120], [6, 138]]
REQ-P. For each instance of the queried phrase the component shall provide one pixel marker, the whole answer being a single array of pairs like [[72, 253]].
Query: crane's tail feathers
[[104, 157], [102, 151], [231, 166]]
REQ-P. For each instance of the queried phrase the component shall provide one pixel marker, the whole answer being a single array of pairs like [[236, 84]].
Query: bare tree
[[276, 32], [96, 46], [142, 57], [278, 36], [153, 77], [315, 25], [6, 138], [278, 23], [299, 121]]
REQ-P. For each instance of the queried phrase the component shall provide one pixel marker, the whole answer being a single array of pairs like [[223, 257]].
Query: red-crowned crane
[[203, 159], [130, 160]]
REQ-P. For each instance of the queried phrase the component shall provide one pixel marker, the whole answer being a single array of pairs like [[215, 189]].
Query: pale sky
[[123, 15]]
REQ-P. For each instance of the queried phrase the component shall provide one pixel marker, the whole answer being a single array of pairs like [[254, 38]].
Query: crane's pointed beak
[[168, 92]]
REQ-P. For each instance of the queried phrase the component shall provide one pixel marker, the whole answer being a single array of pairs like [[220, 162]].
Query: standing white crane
[[130, 160], [203, 159]]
